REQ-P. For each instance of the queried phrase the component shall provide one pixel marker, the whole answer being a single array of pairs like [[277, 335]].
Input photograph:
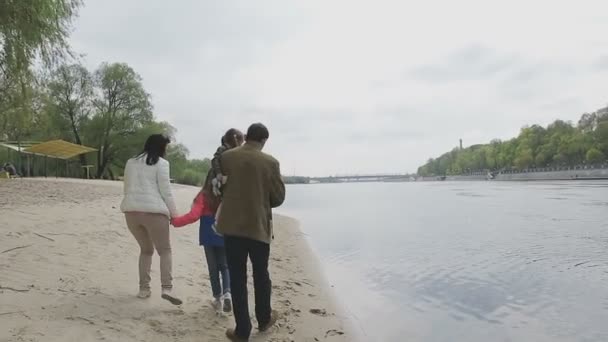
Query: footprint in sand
[[333, 332], [319, 312]]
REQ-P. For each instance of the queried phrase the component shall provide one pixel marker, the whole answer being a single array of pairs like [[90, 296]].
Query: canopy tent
[[59, 149], [55, 149]]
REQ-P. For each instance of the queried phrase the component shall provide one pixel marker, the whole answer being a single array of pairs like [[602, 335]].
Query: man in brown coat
[[254, 187]]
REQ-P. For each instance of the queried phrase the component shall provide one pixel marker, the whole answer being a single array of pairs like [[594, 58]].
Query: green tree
[[69, 101], [524, 159], [123, 108], [559, 144], [31, 29], [595, 156]]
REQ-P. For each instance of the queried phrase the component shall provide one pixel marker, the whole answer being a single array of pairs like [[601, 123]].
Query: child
[[215, 253], [233, 138], [205, 207]]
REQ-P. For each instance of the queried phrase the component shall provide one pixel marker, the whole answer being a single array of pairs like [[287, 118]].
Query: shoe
[[232, 336], [167, 294], [217, 304], [274, 316], [227, 303], [144, 293]]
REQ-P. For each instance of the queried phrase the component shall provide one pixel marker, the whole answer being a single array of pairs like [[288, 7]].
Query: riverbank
[[68, 272], [531, 175]]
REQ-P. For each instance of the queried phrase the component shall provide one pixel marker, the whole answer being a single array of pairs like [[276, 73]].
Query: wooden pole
[[45, 166]]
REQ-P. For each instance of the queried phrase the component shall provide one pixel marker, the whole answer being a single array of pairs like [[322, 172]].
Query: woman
[[148, 206]]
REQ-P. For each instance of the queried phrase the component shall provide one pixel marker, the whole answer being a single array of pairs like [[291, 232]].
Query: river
[[463, 261]]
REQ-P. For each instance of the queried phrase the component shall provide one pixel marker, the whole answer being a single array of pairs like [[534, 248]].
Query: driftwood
[[12, 249], [44, 237], [13, 289]]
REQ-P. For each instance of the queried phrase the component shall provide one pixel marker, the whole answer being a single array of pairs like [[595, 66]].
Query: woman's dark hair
[[155, 148], [233, 138], [257, 132]]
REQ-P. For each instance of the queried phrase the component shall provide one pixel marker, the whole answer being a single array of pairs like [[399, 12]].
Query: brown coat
[[254, 187]]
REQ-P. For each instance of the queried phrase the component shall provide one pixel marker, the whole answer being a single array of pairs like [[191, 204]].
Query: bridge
[[380, 177]]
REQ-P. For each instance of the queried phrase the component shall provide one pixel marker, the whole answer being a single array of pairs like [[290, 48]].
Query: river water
[[463, 261]]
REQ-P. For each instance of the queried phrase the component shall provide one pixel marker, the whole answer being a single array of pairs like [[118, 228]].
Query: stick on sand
[[44, 237], [12, 249]]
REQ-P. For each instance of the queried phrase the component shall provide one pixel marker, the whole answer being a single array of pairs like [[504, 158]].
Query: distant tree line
[[559, 144], [296, 180]]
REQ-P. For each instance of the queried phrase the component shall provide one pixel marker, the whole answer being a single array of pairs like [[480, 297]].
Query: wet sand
[[68, 272]]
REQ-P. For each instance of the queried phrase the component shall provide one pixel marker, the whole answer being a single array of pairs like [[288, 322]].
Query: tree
[[595, 156], [122, 108], [560, 144], [70, 95], [31, 29], [524, 159], [601, 136]]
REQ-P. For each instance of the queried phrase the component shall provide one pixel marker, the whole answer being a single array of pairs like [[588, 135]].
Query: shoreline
[[68, 272]]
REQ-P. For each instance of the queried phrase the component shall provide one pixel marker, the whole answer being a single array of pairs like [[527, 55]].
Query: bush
[[595, 156], [190, 177]]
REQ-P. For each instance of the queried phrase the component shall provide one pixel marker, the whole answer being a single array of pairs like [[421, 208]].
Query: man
[[253, 188], [10, 168]]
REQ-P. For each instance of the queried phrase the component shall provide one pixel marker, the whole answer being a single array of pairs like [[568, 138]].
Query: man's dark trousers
[[237, 251]]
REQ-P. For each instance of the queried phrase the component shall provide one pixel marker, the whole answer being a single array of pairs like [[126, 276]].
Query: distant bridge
[[380, 177]]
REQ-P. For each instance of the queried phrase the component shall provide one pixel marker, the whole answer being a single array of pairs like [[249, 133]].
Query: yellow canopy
[[59, 149]]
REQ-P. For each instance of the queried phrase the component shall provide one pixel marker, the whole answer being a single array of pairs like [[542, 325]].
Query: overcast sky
[[355, 86]]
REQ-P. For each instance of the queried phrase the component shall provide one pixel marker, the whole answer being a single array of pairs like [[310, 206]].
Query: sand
[[68, 272]]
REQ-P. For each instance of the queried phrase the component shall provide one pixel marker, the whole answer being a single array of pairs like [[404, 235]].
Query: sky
[[352, 87]]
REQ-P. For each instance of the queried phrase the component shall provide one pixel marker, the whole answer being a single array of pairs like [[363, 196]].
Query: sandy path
[[68, 272]]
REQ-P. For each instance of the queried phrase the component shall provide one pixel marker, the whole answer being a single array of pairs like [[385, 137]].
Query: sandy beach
[[68, 272]]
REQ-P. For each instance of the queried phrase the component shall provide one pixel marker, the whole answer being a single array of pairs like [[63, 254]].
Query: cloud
[[346, 86], [474, 62], [601, 63]]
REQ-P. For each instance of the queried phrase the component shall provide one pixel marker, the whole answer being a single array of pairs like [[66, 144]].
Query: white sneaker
[[167, 294], [144, 293], [227, 302], [217, 304]]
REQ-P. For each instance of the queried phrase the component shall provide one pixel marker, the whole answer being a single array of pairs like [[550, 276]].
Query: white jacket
[[147, 188]]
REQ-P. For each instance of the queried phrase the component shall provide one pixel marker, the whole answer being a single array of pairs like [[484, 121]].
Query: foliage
[[595, 156], [122, 108], [108, 109], [559, 144], [31, 29]]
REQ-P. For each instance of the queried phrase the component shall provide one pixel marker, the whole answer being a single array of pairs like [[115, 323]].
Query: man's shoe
[[167, 294], [232, 336], [274, 316]]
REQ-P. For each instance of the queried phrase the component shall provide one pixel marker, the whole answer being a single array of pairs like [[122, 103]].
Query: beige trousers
[[152, 232]]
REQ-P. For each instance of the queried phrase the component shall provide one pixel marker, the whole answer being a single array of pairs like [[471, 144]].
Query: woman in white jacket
[[148, 206]]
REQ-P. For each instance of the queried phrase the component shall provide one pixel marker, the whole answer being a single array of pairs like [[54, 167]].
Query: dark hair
[[155, 148], [257, 132], [233, 138]]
